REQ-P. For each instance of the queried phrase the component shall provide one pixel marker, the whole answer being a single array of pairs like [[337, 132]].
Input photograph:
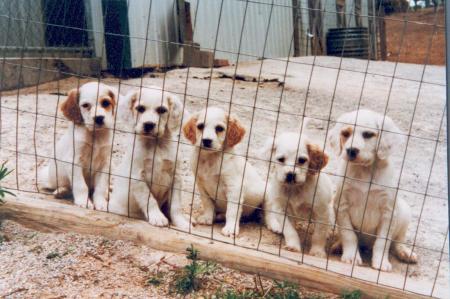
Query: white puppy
[[365, 202], [86, 146], [156, 117], [219, 172], [295, 183]]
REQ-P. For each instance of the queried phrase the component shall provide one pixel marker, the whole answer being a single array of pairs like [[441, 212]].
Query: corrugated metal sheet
[[261, 20], [161, 48]]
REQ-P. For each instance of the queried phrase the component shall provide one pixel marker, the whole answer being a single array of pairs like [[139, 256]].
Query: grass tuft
[[4, 172], [356, 294]]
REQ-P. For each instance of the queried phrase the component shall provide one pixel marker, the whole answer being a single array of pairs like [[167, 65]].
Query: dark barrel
[[348, 42]]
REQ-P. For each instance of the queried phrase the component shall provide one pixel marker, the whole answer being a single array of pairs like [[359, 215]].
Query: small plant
[[190, 277], [284, 290], [4, 172], [356, 294], [155, 280]]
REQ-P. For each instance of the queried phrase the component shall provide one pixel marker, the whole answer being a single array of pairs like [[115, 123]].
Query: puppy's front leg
[[148, 203], [348, 236], [319, 237], [207, 214], [80, 189], [176, 210], [101, 191], [234, 210], [380, 253]]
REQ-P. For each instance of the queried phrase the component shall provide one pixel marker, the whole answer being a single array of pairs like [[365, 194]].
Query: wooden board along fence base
[[50, 216]]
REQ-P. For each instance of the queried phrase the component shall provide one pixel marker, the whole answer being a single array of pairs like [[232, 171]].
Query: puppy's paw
[[406, 255], [293, 246], [100, 204], [182, 223], [350, 258], [383, 265], [275, 226], [230, 231], [318, 251], [205, 218], [157, 218]]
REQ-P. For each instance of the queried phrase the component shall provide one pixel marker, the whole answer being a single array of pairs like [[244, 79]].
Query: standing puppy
[[155, 116], [219, 172], [366, 201], [295, 183], [83, 153]]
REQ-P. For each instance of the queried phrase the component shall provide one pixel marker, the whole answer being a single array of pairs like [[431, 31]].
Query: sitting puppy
[[155, 116], [295, 183], [365, 200], [219, 172], [86, 146]]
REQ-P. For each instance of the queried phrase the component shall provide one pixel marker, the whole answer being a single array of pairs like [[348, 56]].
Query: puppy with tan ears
[[220, 177], [156, 119], [296, 183], [366, 206], [83, 153]]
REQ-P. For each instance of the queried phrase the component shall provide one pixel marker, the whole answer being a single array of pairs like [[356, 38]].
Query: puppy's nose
[[352, 153], [290, 177], [207, 142], [148, 127], [99, 120]]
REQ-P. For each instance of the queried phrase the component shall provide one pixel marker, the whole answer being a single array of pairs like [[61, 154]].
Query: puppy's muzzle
[[290, 177], [352, 153], [148, 127], [207, 143], [99, 120]]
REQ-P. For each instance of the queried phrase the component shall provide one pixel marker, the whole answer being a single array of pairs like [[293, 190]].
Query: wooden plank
[[54, 216]]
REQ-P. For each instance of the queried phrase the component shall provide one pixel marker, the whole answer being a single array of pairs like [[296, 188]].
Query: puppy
[[151, 161], [220, 177], [295, 183], [86, 143], [365, 201]]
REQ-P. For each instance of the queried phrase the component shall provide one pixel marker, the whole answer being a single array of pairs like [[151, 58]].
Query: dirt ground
[[59, 265], [321, 88], [421, 40]]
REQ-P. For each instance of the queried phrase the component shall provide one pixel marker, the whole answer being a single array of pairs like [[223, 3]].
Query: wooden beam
[[55, 216]]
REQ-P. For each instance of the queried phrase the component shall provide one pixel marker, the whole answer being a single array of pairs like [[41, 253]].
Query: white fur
[[367, 201], [219, 173], [152, 163], [83, 153], [309, 190]]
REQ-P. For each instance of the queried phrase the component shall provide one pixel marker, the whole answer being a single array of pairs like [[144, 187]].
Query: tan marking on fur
[[317, 158], [189, 130], [110, 101], [235, 132], [113, 99], [342, 139], [70, 107]]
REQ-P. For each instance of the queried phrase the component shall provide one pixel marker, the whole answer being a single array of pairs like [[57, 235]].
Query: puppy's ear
[[189, 129], [175, 112], [126, 106], [317, 158], [70, 107], [235, 132], [388, 137], [334, 139]]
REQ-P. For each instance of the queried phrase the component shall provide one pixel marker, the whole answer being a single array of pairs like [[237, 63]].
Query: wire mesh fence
[[338, 162]]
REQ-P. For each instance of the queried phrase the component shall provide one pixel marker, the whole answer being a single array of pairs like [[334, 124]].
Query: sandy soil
[[321, 88], [58, 265]]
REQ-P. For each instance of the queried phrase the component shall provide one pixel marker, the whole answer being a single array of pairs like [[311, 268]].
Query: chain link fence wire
[[275, 66]]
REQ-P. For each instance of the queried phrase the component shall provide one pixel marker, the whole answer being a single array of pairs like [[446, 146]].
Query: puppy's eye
[[140, 109], [86, 105], [106, 104], [161, 110], [281, 159], [201, 126], [345, 134], [302, 160], [219, 129], [368, 134]]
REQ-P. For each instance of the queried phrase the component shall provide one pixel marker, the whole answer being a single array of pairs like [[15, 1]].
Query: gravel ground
[[61, 265], [412, 95]]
